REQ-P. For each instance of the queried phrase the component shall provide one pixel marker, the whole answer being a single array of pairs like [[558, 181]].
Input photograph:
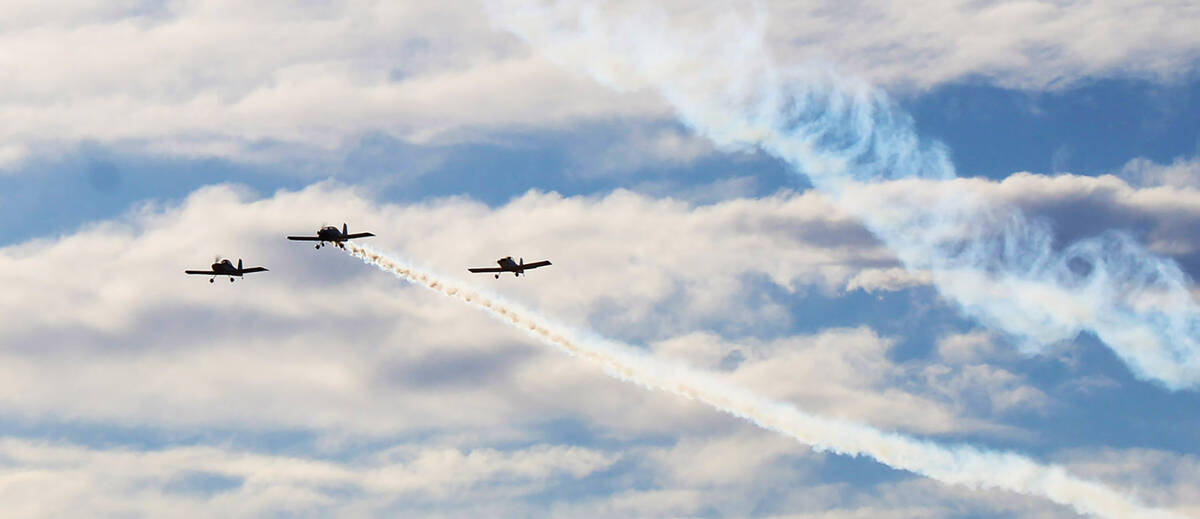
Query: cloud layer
[[1002, 268], [321, 347], [218, 78]]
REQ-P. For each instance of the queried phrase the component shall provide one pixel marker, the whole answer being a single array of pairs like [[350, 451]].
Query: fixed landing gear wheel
[[231, 280], [497, 276], [211, 280]]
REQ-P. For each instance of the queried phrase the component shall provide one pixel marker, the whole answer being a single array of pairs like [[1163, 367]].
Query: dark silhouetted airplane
[[225, 268], [332, 235], [508, 265]]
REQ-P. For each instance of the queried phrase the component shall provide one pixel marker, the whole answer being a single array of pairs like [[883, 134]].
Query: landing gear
[[231, 280], [211, 280], [497, 276], [317, 246]]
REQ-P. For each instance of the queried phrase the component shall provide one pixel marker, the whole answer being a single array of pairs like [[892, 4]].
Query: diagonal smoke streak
[[959, 465], [848, 138]]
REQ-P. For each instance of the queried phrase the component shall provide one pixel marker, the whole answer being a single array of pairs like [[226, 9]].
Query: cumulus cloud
[[1167, 476], [846, 136], [45, 480], [87, 326], [1182, 172], [1076, 206], [318, 344], [131, 314], [848, 373], [740, 473], [1026, 45], [222, 78], [886, 280]]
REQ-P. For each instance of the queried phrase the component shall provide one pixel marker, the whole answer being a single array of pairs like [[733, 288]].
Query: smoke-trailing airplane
[[225, 267], [508, 265], [332, 235]]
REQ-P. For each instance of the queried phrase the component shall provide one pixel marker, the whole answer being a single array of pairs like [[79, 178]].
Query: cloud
[[218, 78], [1182, 172], [848, 373], [322, 346], [109, 320], [1023, 45], [110, 302], [1167, 476], [846, 136], [886, 280], [41, 479], [1077, 206]]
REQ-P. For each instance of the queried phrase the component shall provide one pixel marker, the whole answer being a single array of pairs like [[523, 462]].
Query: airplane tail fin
[[344, 232], [239, 264]]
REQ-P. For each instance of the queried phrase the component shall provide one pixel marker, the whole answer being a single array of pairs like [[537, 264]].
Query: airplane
[[225, 268], [331, 234], [508, 265]]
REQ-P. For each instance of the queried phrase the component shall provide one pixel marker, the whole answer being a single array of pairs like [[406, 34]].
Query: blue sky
[[145, 138]]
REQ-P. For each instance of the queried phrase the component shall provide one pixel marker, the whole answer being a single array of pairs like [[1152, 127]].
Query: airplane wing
[[304, 238], [253, 269], [358, 235], [204, 272], [488, 269], [536, 264]]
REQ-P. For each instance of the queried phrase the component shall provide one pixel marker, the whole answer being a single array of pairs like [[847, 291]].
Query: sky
[[810, 259]]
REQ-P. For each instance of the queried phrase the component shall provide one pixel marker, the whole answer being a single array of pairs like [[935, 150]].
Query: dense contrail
[[852, 142], [959, 465]]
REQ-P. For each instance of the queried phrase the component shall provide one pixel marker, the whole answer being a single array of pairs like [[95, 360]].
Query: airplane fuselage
[[226, 268], [331, 233], [508, 264]]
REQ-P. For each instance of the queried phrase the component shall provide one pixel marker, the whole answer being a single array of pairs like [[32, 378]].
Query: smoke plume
[[959, 465], [1002, 268]]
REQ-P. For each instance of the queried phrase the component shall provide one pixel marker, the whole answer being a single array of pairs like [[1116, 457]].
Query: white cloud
[[1182, 172], [847, 373], [110, 303], [222, 78], [886, 280], [1079, 206], [1165, 478], [11, 155], [966, 347], [1015, 44], [48, 480], [1018, 44], [102, 327]]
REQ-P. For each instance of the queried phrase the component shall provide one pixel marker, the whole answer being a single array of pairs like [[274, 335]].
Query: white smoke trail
[[960, 465], [848, 138]]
